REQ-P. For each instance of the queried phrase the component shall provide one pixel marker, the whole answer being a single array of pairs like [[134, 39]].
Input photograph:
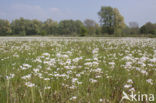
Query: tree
[[148, 28], [133, 28], [50, 26], [111, 20], [133, 25], [65, 27], [83, 31], [26, 27], [80, 28], [33, 27], [18, 26], [91, 26], [4, 27], [68, 27]]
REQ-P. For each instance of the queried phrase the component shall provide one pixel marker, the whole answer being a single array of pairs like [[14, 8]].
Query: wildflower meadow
[[76, 70]]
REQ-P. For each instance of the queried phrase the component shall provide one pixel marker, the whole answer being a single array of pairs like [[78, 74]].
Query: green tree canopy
[[26, 27], [92, 27], [67, 27], [50, 26], [33, 27], [148, 28], [4, 27], [18, 26], [111, 20]]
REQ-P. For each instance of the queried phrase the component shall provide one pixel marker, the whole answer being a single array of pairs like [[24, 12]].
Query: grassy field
[[76, 70]]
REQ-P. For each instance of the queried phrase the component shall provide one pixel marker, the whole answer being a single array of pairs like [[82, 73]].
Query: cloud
[[54, 10], [31, 12], [28, 11]]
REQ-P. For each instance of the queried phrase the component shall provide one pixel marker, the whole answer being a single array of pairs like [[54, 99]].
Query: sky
[[140, 11]]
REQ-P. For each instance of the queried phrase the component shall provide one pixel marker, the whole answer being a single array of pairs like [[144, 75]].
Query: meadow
[[76, 70]]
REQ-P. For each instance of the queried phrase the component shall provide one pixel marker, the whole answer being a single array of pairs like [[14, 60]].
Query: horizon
[[141, 11]]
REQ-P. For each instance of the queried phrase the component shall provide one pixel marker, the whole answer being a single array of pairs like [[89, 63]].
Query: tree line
[[111, 23]]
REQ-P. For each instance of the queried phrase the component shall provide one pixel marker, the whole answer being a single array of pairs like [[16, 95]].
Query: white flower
[[27, 65], [96, 50], [100, 100], [38, 60], [69, 52], [98, 76], [10, 76], [68, 61], [29, 84], [46, 79], [111, 63], [98, 70], [48, 87], [150, 81], [69, 72], [88, 59], [79, 82], [129, 81], [16, 55], [48, 68], [153, 60], [39, 75], [127, 86], [88, 64], [72, 87], [76, 60], [78, 75], [65, 56], [26, 76], [128, 64], [95, 64], [92, 80], [96, 59], [46, 54], [127, 58], [143, 59], [65, 85], [144, 72], [36, 70], [74, 80], [73, 98], [138, 69], [58, 55], [132, 89]]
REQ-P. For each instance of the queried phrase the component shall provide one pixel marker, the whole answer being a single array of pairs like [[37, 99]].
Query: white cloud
[[54, 10], [31, 12], [28, 11]]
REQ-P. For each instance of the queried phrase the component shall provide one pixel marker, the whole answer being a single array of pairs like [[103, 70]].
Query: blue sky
[[140, 11]]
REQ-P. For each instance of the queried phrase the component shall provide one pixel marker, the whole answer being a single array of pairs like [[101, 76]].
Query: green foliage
[[33, 27], [111, 24], [148, 28], [26, 27], [83, 31], [91, 26], [67, 27], [18, 26], [94, 70], [4, 27], [50, 26], [133, 28], [111, 20]]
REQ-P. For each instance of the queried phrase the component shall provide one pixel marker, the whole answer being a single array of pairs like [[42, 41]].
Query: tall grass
[[75, 70]]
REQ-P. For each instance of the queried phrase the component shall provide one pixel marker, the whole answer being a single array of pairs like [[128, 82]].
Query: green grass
[[99, 73]]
